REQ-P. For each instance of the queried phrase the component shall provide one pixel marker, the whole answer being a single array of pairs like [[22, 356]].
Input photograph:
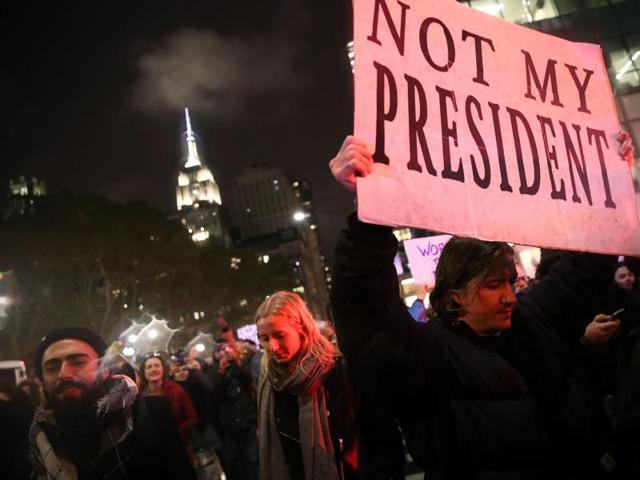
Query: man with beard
[[86, 428]]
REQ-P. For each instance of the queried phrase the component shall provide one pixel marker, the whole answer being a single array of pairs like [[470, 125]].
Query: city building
[[275, 214], [23, 196], [198, 196]]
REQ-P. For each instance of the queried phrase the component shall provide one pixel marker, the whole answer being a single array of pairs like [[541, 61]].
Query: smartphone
[[617, 313]]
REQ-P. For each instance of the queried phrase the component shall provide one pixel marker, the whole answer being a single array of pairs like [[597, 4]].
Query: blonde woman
[[301, 382]]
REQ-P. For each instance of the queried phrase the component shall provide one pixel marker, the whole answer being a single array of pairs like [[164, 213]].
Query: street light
[[299, 216]]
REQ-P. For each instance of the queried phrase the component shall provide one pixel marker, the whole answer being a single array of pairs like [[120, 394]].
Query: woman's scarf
[[45, 462], [315, 437]]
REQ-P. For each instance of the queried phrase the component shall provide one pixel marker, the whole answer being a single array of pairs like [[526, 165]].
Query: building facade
[[198, 197], [23, 196], [275, 214]]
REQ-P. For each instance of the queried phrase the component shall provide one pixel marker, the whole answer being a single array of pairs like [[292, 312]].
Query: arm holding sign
[[353, 160], [375, 331], [626, 149]]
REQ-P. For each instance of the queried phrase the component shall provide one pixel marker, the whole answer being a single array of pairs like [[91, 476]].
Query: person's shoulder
[[171, 386]]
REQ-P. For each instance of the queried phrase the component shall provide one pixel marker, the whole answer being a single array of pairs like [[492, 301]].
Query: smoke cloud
[[220, 75]]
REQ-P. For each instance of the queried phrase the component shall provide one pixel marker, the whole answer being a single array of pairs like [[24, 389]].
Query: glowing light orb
[[200, 347], [129, 351], [153, 334], [132, 338]]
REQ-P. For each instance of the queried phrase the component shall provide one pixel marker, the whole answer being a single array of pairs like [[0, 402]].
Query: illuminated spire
[[192, 160]]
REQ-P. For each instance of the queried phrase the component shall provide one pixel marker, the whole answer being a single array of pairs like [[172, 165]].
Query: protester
[[16, 410], [489, 387], [613, 358], [188, 374], [206, 442], [301, 383], [155, 382], [86, 429], [235, 402], [625, 278], [418, 310]]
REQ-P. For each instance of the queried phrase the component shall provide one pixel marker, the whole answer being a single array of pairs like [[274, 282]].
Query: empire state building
[[198, 196]]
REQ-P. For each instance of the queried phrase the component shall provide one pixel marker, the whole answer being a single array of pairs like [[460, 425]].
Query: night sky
[[93, 92]]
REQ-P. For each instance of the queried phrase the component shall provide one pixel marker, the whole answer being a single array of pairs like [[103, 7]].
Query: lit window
[[200, 236], [516, 12], [626, 67]]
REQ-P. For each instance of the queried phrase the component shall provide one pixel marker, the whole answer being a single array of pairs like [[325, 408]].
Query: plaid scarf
[[45, 462]]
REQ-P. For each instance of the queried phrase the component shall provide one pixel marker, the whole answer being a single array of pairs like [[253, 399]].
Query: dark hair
[[83, 334], [629, 266], [461, 261], [165, 371]]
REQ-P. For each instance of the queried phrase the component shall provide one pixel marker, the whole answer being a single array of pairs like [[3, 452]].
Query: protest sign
[[248, 332], [423, 255], [488, 129]]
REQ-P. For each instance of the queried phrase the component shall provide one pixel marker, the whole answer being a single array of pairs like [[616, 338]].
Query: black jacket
[[234, 397], [614, 366], [152, 450], [514, 406]]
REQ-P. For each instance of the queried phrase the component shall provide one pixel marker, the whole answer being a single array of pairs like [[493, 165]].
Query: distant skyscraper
[[265, 201], [24, 195], [274, 213], [198, 196]]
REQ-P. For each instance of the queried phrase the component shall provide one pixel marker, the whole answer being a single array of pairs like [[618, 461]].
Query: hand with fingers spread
[[626, 149], [601, 328], [353, 160]]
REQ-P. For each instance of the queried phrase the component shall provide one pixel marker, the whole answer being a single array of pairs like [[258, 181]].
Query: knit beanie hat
[[77, 333]]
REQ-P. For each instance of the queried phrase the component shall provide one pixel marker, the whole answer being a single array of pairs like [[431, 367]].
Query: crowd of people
[[481, 384]]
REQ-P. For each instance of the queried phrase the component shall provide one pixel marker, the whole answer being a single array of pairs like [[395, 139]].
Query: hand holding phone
[[601, 328]]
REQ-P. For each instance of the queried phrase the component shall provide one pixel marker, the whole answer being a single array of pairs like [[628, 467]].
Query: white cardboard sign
[[423, 255], [487, 129]]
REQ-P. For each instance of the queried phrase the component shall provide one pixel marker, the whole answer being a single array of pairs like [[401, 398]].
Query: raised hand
[[354, 159]]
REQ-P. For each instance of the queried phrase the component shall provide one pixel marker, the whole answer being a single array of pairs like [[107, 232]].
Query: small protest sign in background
[[423, 255]]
